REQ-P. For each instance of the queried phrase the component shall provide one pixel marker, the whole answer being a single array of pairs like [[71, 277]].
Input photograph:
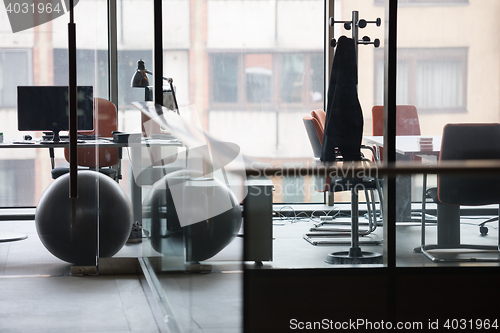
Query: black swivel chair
[[462, 142]]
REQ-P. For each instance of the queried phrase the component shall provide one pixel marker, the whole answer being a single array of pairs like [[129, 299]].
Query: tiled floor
[[38, 294]]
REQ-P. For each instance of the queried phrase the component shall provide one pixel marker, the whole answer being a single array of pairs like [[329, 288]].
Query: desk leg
[[136, 185], [448, 225], [403, 198], [136, 198]]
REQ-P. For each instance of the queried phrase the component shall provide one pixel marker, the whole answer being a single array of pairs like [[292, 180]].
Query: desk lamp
[[140, 80]]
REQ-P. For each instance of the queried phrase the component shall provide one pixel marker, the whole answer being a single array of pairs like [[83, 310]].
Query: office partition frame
[[388, 279]]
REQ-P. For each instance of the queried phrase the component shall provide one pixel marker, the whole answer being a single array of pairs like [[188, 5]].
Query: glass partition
[[442, 80], [38, 56], [34, 166]]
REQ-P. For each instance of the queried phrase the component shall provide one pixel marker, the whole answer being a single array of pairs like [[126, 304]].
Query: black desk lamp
[[140, 80]]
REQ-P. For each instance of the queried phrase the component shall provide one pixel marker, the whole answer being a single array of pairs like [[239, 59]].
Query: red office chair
[[315, 134], [407, 123], [315, 127], [104, 125], [463, 142], [320, 116]]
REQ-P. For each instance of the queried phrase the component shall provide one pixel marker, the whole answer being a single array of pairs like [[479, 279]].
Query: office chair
[[104, 125], [315, 134], [320, 116], [314, 125], [407, 123], [462, 142]]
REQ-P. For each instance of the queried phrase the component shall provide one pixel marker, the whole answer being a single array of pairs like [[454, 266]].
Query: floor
[[211, 302], [39, 294]]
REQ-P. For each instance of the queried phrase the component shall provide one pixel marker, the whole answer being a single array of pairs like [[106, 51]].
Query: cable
[[302, 216]]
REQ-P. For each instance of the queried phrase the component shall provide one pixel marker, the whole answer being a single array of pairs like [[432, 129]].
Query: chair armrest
[[370, 148]]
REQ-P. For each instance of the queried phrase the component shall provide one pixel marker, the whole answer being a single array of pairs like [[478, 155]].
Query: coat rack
[[355, 24], [355, 255]]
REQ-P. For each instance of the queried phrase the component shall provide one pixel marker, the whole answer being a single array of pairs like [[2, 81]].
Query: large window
[[432, 79]]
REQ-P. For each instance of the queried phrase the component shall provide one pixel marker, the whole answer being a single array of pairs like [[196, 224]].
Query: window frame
[[426, 3]]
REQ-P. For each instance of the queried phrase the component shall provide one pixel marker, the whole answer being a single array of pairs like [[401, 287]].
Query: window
[[225, 73], [258, 77], [85, 64], [432, 79], [15, 70], [292, 77], [267, 78], [17, 180]]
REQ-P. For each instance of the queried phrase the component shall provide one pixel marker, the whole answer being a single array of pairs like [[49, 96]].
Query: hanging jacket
[[344, 117]]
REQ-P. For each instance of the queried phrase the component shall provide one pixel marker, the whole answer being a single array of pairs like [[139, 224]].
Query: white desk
[[408, 145], [101, 142]]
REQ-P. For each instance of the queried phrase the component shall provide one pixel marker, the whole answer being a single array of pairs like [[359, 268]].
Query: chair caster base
[[354, 256]]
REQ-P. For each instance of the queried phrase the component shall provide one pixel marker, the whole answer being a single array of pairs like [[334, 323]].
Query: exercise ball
[[100, 199], [195, 208]]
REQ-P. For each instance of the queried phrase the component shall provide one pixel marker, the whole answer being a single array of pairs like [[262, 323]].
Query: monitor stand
[[55, 137]]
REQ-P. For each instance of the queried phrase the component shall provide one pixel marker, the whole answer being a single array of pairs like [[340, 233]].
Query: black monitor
[[45, 108]]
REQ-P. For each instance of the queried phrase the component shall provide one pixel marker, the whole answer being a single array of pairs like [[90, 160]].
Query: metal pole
[[390, 67], [158, 54], [355, 32], [354, 218], [73, 122], [112, 53]]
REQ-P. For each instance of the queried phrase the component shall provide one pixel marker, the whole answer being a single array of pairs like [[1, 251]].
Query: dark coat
[[344, 118]]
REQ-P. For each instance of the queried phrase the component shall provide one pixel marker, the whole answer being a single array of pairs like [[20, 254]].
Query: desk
[[407, 146], [108, 142], [136, 190]]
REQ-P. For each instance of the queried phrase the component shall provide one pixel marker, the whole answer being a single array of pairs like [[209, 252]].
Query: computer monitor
[[45, 108]]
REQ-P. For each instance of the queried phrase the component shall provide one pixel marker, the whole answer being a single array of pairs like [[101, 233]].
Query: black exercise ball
[[100, 199]]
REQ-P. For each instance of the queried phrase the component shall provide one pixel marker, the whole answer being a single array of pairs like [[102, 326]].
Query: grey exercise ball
[[204, 235], [99, 199]]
